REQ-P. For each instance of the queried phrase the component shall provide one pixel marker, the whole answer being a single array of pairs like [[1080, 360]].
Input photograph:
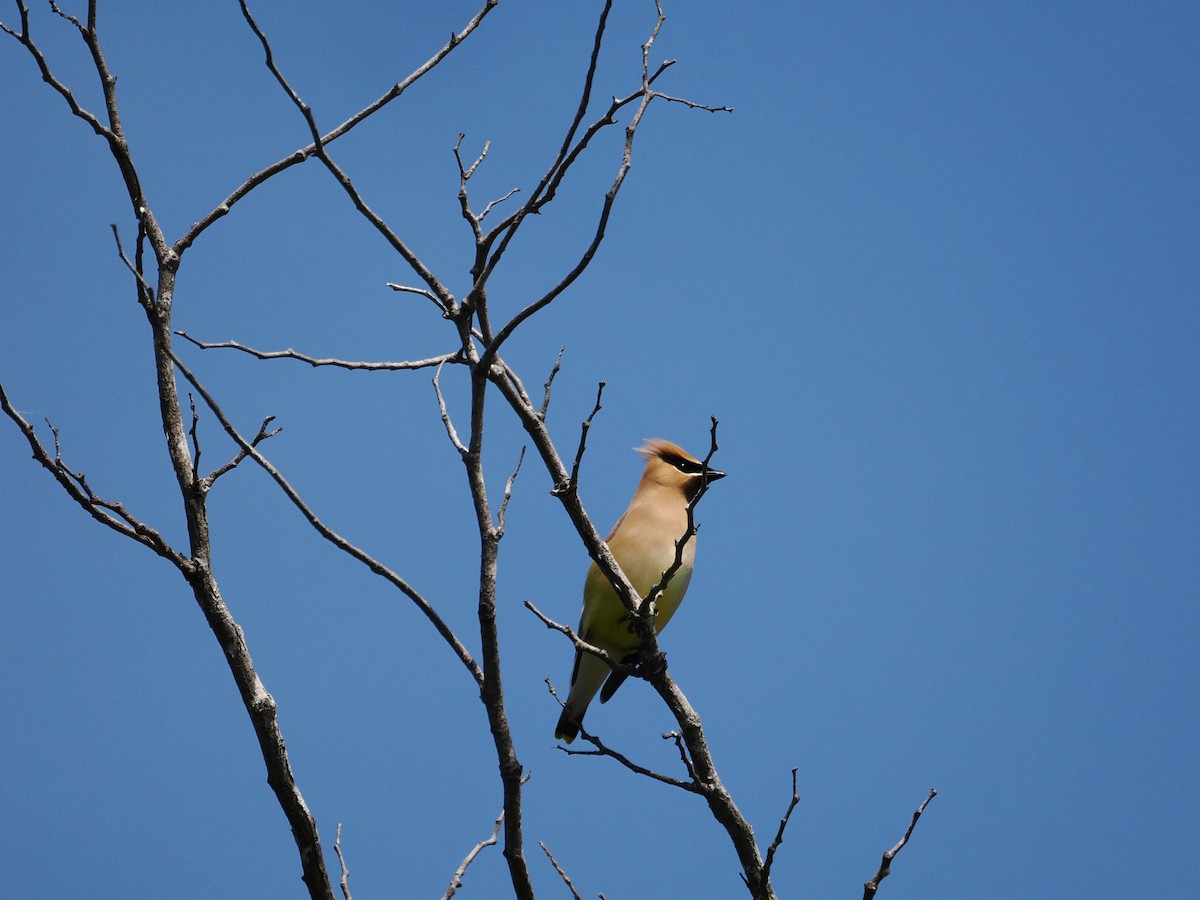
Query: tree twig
[[262, 435], [603, 749], [783, 823], [443, 294], [447, 422], [885, 867], [76, 486], [330, 535], [572, 485], [457, 881], [550, 383], [559, 869], [329, 137], [400, 365], [344, 884], [508, 486]]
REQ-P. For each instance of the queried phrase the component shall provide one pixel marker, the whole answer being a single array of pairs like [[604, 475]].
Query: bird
[[643, 543]]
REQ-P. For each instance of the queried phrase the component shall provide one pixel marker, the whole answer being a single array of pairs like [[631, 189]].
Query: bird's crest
[[657, 448]]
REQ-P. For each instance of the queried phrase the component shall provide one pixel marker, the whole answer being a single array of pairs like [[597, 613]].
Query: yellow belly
[[605, 621]]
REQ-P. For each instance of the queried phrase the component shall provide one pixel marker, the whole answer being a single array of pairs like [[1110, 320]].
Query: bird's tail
[[568, 725]]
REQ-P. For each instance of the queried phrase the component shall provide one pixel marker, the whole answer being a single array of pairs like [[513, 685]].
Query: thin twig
[[263, 434], [330, 535], [573, 484], [550, 383], [783, 823], [427, 276], [692, 104], [501, 236], [405, 289], [544, 192], [195, 438], [885, 867], [456, 882], [603, 749], [145, 291], [683, 754], [508, 486], [305, 153], [107, 512], [559, 869], [26, 40], [580, 644], [494, 203], [401, 365], [446, 421], [337, 848]]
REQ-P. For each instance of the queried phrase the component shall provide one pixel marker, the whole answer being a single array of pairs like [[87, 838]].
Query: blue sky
[[937, 276]]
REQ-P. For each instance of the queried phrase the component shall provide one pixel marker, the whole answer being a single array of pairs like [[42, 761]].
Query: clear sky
[[937, 276]]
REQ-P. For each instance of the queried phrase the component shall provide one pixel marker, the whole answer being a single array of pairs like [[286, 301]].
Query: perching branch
[[580, 644], [643, 610]]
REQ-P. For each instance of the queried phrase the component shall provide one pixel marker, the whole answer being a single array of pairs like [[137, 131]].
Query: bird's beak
[[713, 475]]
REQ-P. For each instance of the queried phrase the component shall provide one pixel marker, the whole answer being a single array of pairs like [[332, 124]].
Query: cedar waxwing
[[643, 543]]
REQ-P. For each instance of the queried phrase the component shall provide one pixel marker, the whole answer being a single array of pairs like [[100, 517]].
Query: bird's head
[[670, 465]]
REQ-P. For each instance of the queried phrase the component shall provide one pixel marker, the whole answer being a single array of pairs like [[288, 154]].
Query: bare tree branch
[[573, 483], [25, 38], [197, 568], [559, 870], [145, 291], [435, 286], [783, 823], [457, 881], [305, 153], [446, 421], [401, 365], [262, 435], [330, 535], [344, 884], [506, 229], [195, 439], [603, 750], [76, 486], [676, 738], [885, 867], [550, 383], [580, 643], [508, 486], [405, 289]]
